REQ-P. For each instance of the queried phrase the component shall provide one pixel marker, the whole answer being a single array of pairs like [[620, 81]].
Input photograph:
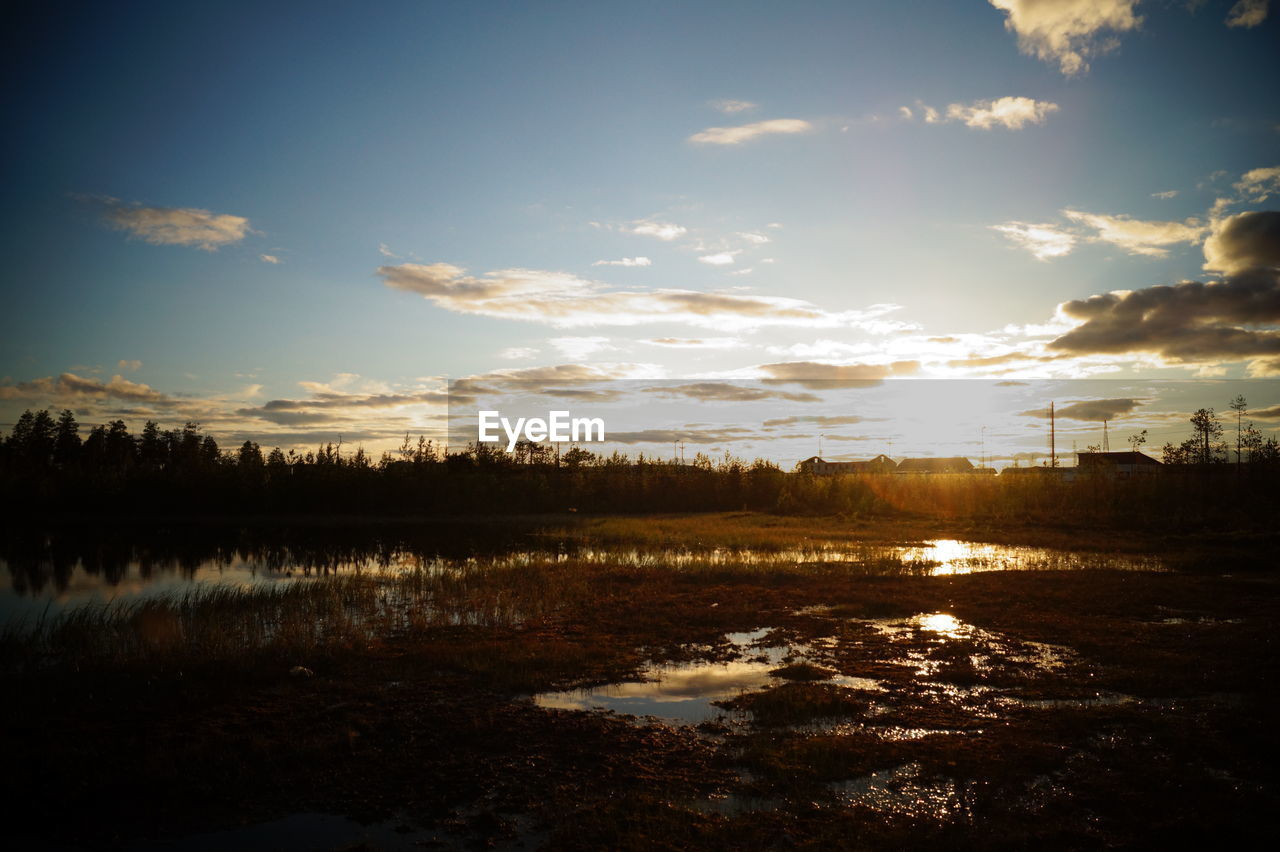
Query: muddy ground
[[995, 710]]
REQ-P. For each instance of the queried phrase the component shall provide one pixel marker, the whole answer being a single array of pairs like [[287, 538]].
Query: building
[[1120, 465], [821, 467], [955, 464]]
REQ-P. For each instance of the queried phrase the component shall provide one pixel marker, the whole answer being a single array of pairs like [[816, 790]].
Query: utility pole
[[820, 436], [1053, 452], [1106, 440]]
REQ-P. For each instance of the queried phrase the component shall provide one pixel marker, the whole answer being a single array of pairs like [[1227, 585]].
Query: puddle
[[1099, 699], [682, 693], [902, 790]]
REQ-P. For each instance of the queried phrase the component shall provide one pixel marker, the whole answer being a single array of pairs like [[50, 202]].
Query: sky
[[294, 222]]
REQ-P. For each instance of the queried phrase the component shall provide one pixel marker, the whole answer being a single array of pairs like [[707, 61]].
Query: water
[[50, 570], [683, 693]]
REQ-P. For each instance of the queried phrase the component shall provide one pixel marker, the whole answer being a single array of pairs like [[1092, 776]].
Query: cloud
[[177, 226], [695, 342], [818, 420], [1137, 236], [905, 112], [1247, 13], [730, 392], [581, 347], [1192, 322], [1271, 413], [564, 301], [626, 261], [672, 436], [1089, 409], [129, 365], [817, 375], [69, 386], [730, 106], [665, 231], [1043, 241], [1258, 185], [1009, 112], [385, 251], [333, 406], [515, 353], [1068, 32], [268, 258], [723, 258], [1166, 195], [747, 132], [754, 238], [1244, 240]]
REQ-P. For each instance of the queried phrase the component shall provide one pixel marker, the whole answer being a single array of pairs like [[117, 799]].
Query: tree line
[[48, 467]]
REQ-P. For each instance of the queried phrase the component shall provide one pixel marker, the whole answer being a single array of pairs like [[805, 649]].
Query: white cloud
[[666, 231], [1009, 112], [730, 106], [269, 258], [581, 347], [565, 301], [754, 238], [1247, 13], [747, 132], [1068, 32], [1043, 241], [132, 366], [1137, 236], [176, 226], [385, 251], [723, 258], [1259, 184], [626, 261], [905, 112], [517, 353], [1166, 195]]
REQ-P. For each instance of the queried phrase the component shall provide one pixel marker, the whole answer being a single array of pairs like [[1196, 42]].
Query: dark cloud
[[1191, 321], [1089, 409], [1271, 413], [69, 386], [1244, 241]]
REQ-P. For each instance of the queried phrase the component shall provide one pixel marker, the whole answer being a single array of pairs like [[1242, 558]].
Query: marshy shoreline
[[928, 711]]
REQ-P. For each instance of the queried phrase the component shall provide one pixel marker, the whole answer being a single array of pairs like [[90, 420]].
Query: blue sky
[[211, 209]]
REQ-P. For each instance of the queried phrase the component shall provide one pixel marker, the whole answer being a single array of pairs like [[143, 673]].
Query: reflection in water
[[904, 790], [73, 565], [679, 693]]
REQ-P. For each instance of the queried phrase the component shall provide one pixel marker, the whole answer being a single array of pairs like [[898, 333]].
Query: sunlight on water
[[51, 578]]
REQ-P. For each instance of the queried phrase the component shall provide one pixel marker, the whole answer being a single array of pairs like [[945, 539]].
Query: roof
[[943, 465], [1125, 457]]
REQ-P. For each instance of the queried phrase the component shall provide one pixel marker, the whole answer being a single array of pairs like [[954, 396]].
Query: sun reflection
[[941, 622]]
